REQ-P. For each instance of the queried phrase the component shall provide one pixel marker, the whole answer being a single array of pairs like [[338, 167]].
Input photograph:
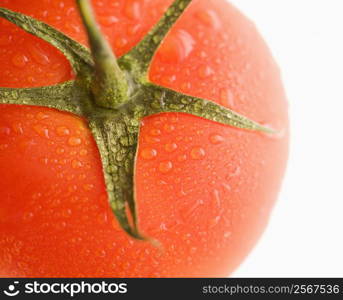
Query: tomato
[[204, 190]]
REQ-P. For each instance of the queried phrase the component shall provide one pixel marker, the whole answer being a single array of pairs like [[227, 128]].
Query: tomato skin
[[204, 190]]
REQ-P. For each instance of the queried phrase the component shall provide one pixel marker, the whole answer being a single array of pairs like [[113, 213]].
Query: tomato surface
[[204, 190]]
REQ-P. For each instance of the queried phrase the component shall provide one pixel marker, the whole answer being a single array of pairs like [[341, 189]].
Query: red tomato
[[204, 190]]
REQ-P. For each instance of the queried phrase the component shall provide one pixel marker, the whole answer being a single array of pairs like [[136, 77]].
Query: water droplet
[[234, 171], [227, 234], [198, 153], [74, 141], [27, 216], [226, 186], [83, 152], [182, 157], [36, 196], [62, 225], [134, 29], [148, 153], [108, 21], [205, 71], [121, 42], [20, 60], [165, 167], [60, 150], [209, 18], [169, 128], [38, 55], [168, 79], [226, 98], [88, 187], [216, 139], [175, 119], [18, 128], [177, 47], [62, 131], [43, 131], [170, 147], [44, 160], [186, 86], [163, 227], [133, 9], [72, 188], [76, 164], [216, 197], [5, 40], [155, 132], [152, 139], [42, 116], [214, 221]]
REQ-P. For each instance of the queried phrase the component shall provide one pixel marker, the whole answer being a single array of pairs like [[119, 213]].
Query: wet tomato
[[204, 190]]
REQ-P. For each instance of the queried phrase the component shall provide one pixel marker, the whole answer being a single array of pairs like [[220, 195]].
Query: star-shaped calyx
[[114, 95]]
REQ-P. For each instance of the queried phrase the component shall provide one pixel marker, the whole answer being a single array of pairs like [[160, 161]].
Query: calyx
[[114, 95]]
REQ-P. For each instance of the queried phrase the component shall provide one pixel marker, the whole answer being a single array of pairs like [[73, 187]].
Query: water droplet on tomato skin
[[227, 234], [216, 139], [20, 60], [234, 171], [39, 55], [148, 153], [134, 29], [5, 40], [215, 221], [182, 157], [83, 152], [169, 128], [28, 217], [165, 167], [177, 48], [121, 42], [198, 153], [209, 18], [62, 131], [76, 164], [108, 21], [18, 128], [155, 132], [133, 9], [226, 187], [168, 79], [171, 147], [88, 187], [226, 98], [60, 150], [42, 116], [74, 141], [205, 71], [41, 130], [216, 198]]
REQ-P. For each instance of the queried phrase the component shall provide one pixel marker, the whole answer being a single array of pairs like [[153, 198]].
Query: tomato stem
[[110, 86]]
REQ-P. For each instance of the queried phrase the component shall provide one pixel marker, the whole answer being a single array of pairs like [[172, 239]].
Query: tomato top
[[204, 190]]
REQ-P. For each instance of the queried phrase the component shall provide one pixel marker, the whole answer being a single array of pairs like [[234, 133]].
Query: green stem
[[109, 85]]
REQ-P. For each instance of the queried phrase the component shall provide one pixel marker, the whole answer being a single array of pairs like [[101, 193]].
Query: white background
[[305, 234]]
